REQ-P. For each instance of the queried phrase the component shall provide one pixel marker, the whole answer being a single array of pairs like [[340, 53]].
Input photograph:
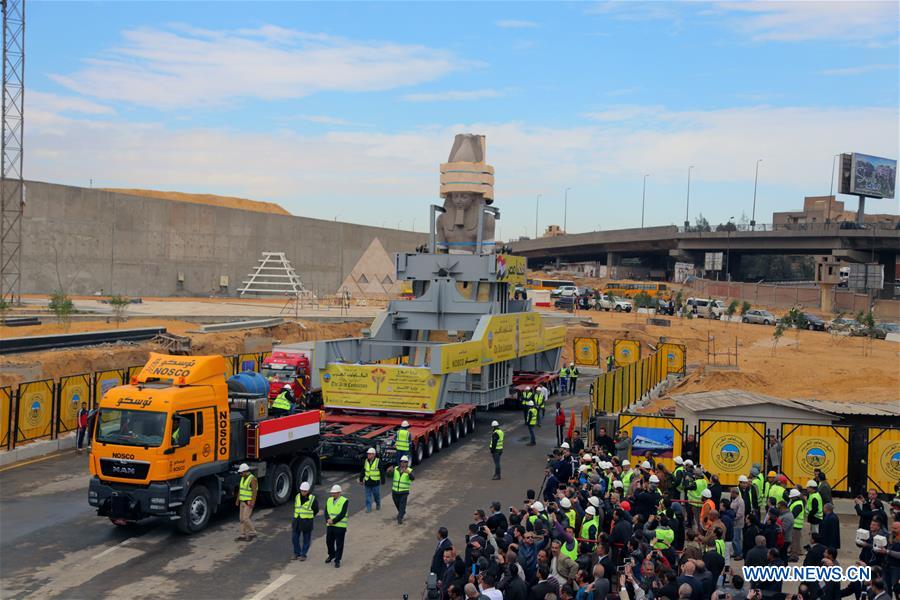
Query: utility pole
[[687, 205], [537, 204], [566, 211], [643, 199], [755, 181]]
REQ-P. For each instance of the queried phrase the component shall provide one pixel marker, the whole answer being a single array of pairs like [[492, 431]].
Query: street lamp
[[687, 205], [537, 203], [755, 181], [728, 251], [566, 211], [643, 199]]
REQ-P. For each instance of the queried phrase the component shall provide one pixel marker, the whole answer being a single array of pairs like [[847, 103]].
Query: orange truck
[[169, 443]]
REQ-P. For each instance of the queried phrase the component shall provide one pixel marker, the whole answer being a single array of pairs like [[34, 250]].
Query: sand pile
[[211, 199]]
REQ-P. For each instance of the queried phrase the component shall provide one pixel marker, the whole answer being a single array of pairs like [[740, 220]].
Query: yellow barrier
[[586, 351], [661, 437], [809, 447], [884, 459], [6, 409], [73, 390], [675, 357], [626, 352], [104, 381], [247, 362], [615, 392], [729, 448], [35, 418]]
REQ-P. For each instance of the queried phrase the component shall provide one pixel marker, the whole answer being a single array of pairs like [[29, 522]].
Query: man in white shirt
[[487, 587]]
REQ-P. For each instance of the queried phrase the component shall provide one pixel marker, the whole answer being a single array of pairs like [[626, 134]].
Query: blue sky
[[345, 110]]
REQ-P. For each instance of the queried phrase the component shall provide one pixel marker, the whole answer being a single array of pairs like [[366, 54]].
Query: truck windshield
[[131, 427], [277, 374]]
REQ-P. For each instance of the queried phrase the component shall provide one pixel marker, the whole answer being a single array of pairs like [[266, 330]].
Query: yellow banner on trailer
[[460, 356], [380, 387], [498, 340], [531, 333], [554, 337], [658, 436], [626, 352], [511, 269], [806, 448], [729, 448], [884, 459], [35, 409], [587, 351]]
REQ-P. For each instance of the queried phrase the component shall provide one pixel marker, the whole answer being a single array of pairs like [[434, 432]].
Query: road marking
[[36, 460], [272, 587], [114, 548]]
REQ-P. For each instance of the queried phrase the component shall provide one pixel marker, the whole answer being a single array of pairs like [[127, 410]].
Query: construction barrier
[[809, 447], [34, 416], [6, 413], [626, 352], [730, 448], [659, 437], [103, 382], [72, 390], [247, 362], [586, 351], [676, 357], [883, 459], [616, 391], [130, 372]]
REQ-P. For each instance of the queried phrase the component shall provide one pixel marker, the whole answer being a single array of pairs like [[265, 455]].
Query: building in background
[[826, 209]]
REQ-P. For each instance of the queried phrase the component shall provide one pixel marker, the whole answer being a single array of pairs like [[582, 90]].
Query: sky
[[345, 110]]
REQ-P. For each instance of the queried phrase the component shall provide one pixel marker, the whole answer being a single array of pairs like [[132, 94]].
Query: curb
[[36, 449]]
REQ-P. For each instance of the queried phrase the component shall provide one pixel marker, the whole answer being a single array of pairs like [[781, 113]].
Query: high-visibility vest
[[533, 518], [777, 492], [245, 491], [564, 373], [798, 519], [626, 479], [679, 469], [281, 402], [372, 470], [532, 416], [499, 445], [819, 512], [539, 400], [720, 547], [303, 508], [571, 515], [695, 496], [570, 549], [401, 482], [573, 372], [402, 440], [527, 395], [664, 538], [586, 529], [334, 509], [175, 436], [759, 482]]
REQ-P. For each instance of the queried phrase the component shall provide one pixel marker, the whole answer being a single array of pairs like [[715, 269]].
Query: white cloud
[[516, 24], [68, 104], [453, 95], [860, 70], [324, 120], [185, 66]]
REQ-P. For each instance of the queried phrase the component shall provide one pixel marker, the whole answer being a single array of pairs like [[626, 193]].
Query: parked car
[[882, 329], [814, 323], [565, 302], [564, 291], [616, 304], [762, 317], [843, 324]]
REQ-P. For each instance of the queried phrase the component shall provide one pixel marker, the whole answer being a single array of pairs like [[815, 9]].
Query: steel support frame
[[12, 185]]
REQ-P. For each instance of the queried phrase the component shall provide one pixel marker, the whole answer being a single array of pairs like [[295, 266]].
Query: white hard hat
[[335, 489], [404, 458], [594, 500], [304, 487], [495, 424], [529, 403], [618, 484], [743, 479], [404, 424], [287, 386], [812, 484], [566, 503], [590, 510], [370, 451], [626, 463], [571, 364], [706, 493], [654, 479], [587, 457], [793, 493], [689, 463], [537, 506], [564, 445], [679, 460], [243, 468], [583, 469], [646, 465], [605, 465]]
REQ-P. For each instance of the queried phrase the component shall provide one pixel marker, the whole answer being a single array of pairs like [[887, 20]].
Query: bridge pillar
[[612, 264]]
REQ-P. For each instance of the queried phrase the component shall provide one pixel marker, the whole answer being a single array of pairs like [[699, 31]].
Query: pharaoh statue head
[[467, 184]]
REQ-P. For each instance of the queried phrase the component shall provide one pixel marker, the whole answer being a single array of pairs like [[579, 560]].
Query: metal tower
[[12, 187]]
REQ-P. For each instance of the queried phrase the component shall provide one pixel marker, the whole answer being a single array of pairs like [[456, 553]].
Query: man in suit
[[437, 561], [830, 527]]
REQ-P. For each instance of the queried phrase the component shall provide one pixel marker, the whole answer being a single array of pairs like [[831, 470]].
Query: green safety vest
[[402, 482], [281, 402], [695, 496], [372, 471], [175, 436], [586, 529], [720, 547], [626, 479], [799, 519], [819, 512], [679, 469], [303, 508], [533, 518], [777, 492], [664, 538], [527, 395], [539, 400], [334, 508], [499, 445], [571, 515], [570, 551], [564, 372], [532, 416], [402, 440], [759, 483], [245, 491], [573, 372]]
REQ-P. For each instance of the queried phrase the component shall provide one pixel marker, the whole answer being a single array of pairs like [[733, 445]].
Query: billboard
[[872, 176], [381, 387], [712, 261]]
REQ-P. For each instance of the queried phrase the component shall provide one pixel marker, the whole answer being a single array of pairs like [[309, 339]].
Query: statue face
[[463, 200]]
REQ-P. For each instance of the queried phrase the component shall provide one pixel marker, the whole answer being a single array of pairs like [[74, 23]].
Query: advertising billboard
[[872, 176]]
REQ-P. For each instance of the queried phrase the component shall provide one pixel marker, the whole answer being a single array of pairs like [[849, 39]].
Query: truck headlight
[[158, 502]]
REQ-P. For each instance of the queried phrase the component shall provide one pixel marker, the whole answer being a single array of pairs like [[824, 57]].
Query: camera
[[431, 588]]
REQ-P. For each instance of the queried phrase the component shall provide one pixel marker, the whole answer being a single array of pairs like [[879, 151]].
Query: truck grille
[[124, 469]]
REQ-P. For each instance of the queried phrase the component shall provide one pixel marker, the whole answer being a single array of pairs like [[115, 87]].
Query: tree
[[643, 300], [679, 300], [776, 335], [729, 226], [732, 308], [119, 305], [745, 307], [701, 224], [62, 306]]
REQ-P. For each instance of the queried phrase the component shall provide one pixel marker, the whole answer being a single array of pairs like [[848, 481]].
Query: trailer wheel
[[429, 447], [464, 426], [419, 451], [281, 486], [195, 512], [304, 470], [471, 419], [448, 435], [438, 440], [453, 430]]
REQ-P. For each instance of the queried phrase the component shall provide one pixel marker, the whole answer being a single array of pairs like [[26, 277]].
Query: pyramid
[[373, 275]]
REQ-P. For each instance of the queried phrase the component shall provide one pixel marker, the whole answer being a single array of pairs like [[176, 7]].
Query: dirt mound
[[211, 199]]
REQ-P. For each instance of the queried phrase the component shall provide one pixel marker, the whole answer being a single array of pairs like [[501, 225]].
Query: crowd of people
[[601, 527]]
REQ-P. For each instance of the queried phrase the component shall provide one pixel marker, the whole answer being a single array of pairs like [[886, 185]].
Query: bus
[[630, 289], [547, 284]]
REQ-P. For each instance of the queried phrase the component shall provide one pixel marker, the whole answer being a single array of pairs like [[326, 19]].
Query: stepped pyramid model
[[373, 274], [273, 274]]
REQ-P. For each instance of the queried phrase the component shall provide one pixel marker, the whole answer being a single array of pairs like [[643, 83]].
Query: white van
[[705, 308]]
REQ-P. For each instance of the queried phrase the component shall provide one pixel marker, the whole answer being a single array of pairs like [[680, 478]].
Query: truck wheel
[[429, 447], [304, 470], [194, 514], [419, 451], [448, 435], [438, 440], [464, 427], [281, 485], [471, 419], [456, 430]]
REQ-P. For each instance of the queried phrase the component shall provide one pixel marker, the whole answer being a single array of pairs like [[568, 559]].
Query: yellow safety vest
[[401, 482], [571, 515], [539, 400], [680, 486], [720, 548], [695, 496], [586, 529], [571, 552], [500, 435], [281, 402], [819, 512], [564, 373], [175, 436], [402, 441], [626, 479], [245, 491], [372, 471], [776, 492], [303, 508], [532, 416], [664, 538], [573, 372], [334, 509], [798, 520]]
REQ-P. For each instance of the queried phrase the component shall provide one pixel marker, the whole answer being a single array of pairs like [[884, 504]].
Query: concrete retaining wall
[[137, 246]]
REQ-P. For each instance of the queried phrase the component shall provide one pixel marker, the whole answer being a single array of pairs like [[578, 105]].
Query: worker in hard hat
[[371, 478], [590, 527], [496, 447], [563, 380], [539, 400], [403, 441], [814, 506], [246, 500], [306, 507], [282, 404], [573, 377], [336, 515], [531, 417], [707, 506], [777, 491], [694, 487], [401, 482]]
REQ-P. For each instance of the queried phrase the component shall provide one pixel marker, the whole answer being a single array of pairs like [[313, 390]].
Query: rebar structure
[[12, 186]]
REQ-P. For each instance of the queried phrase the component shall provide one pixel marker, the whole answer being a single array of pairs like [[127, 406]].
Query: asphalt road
[[52, 544]]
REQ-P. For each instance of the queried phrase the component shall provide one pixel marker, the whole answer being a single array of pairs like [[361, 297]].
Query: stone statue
[[467, 184]]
